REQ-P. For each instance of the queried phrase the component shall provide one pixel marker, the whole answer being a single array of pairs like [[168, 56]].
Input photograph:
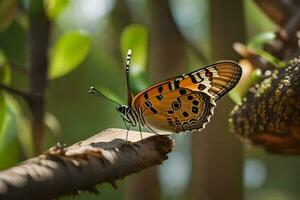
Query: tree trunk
[[217, 154], [38, 39], [166, 59]]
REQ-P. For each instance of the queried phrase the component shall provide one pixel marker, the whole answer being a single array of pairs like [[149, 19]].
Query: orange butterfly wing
[[186, 102]]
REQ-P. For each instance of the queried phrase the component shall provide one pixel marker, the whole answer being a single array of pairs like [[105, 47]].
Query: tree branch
[[279, 11], [270, 113], [285, 13], [104, 157], [14, 91]]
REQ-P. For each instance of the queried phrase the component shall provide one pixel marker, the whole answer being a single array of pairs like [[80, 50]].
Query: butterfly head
[[121, 109], [125, 113]]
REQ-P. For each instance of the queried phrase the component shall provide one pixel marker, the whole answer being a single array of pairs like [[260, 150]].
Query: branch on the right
[[270, 111]]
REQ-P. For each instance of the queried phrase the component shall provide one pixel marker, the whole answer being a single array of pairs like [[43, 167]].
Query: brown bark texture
[[270, 112], [38, 41], [105, 157]]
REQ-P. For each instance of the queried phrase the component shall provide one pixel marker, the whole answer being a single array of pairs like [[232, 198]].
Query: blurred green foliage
[[8, 135], [55, 7], [68, 52], [9, 148], [5, 71], [2, 110], [135, 37], [80, 59], [260, 39], [256, 44], [7, 12], [14, 48]]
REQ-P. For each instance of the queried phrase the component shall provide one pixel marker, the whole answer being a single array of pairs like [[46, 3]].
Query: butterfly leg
[[127, 132], [127, 127], [152, 129], [140, 131]]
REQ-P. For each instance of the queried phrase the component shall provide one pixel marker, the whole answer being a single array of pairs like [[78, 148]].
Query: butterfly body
[[183, 103]]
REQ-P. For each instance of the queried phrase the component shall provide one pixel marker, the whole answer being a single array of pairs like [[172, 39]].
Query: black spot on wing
[[185, 114], [160, 89], [170, 86], [153, 110], [146, 95], [159, 97], [208, 73], [148, 104], [182, 91], [201, 87], [190, 97], [195, 109], [193, 78], [195, 102]]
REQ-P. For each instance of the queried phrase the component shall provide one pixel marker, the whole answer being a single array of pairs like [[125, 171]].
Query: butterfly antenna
[[93, 90], [129, 92]]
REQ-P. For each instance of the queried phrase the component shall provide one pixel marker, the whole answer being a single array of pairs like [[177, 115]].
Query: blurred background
[[87, 45]]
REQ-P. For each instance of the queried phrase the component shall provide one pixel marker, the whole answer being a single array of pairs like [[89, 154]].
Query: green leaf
[[2, 109], [13, 42], [15, 131], [135, 37], [259, 40], [25, 137], [5, 72], [68, 53], [257, 44], [270, 58], [53, 124], [9, 148], [55, 7], [7, 12]]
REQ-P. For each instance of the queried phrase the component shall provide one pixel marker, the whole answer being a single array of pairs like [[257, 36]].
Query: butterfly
[[180, 104]]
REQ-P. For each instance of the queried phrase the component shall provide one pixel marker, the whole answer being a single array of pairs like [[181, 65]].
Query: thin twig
[[14, 91], [278, 10]]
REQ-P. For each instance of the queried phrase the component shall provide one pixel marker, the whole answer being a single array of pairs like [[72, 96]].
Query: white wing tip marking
[[208, 117]]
